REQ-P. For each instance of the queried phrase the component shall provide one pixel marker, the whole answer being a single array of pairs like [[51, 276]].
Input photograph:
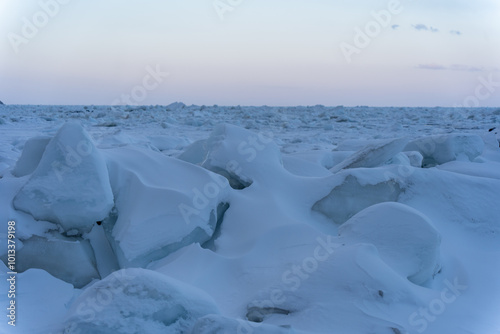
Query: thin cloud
[[431, 67], [458, 67], [423, 27], [454, 67], [420, 26], [395, 26]]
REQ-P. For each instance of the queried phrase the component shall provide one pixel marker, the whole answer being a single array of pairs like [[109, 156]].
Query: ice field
[[263, 220]]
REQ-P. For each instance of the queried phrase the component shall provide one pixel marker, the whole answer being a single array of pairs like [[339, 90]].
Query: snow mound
[[70, 186], [349, 281], [138, 301], [359, 189], [237, 154], [372, 155], [404, 237], [69, 260], [162, 204], [31, 156], [440, 149], [302, 167]]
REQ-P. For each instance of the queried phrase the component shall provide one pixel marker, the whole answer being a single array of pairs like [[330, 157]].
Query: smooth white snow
[[405, 238], [262, 220]]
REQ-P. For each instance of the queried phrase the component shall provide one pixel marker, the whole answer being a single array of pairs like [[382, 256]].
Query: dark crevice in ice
[[235, 181], [221, 210], [257, 314]]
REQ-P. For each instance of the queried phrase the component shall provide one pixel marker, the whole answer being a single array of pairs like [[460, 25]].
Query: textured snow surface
[[251, 220], [138, 301]]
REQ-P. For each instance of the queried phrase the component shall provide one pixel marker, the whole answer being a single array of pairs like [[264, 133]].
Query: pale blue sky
[[279, 52]]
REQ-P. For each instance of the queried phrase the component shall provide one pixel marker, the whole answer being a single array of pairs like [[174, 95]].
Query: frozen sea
[[234, 219]]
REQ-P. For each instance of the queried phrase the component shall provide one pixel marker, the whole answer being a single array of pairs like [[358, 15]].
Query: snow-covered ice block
[[3, 168], [31, 156], [175, 106], [358, 189], [404, 237], [399, 159], [416, 158], [334, 157], [324, 158], [440, 149], [72, 261], [105, 258], [491, 146], [354, 144], [119, 139], [236, 153], [372, 155], [26, 225], [491, 139], [194, 153], [137, 300], [41, 301], [163, 142], [411, 158], [70, 186], [452, 197], [162, 204]]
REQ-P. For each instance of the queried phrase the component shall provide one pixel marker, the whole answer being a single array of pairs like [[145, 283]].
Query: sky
[[251, 52]]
